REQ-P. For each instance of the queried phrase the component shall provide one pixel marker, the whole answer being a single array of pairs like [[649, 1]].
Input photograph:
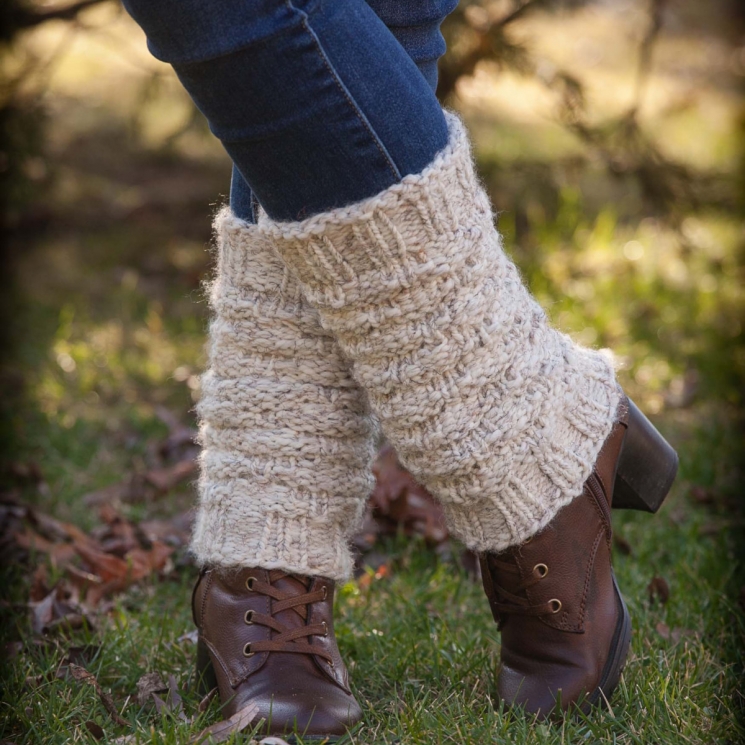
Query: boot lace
[[509, 602], [286, 639]]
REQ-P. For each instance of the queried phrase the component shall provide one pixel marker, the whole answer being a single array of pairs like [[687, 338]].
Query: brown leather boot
[[565, 627], [267, 637]]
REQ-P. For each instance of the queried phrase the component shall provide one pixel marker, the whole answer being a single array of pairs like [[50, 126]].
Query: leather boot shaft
[[565, 628]]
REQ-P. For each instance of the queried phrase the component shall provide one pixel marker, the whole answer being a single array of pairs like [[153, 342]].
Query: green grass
[[423, 653], [115, 338], [421, 645], [108, 328]]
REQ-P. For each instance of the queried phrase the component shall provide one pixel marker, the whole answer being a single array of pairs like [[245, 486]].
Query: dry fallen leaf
[[675, 634], [173, 703], [164, 475], [148, 684], [221, 731], [39, 588], [175, 531], [119, 573], [401, 501], [125, 491], [623, 546], [95, 729], [106, 566], [42, 612], [190, 636], [206, 701], [58, 610], [165, 479], [658, 589], [31, 541]]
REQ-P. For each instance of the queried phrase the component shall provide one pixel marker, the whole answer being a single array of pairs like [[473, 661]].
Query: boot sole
[[647, 466], [616, 661]]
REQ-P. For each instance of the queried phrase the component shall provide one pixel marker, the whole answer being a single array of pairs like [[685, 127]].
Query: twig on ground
[[84, 676]]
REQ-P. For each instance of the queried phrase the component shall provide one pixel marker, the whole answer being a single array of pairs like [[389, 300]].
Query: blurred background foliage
[[609, 133]]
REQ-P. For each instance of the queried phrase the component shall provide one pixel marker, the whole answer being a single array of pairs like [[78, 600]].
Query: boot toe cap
[[307, 707]]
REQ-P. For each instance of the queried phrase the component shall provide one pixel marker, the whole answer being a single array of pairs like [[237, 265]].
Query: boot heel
[[206, 678], [646, 468]]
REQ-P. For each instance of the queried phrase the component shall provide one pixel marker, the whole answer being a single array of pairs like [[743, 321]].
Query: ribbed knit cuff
[[498, 414], [287, 437]]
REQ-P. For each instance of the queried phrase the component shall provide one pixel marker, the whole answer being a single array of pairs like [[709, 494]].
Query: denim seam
[[363, 119]]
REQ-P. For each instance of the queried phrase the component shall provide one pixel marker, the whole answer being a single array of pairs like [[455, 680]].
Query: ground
[[109, 323]]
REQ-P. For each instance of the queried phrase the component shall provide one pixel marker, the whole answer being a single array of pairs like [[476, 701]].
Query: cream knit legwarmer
[[498, 414], [287, 438]]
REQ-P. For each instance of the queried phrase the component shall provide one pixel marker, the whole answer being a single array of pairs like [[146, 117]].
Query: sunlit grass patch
[[110, 331]]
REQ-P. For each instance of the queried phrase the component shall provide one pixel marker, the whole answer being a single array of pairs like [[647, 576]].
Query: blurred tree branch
[[645, 51], [476, 34], [471, 20], [20, 16]]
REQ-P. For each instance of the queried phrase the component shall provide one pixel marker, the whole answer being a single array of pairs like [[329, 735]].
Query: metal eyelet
[[325, 592], [250, 581], [247, 650], [325, 628], [541, 570], [249, 617], [555, 604]]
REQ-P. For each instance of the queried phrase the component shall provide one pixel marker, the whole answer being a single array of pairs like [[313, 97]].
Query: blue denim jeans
[[319, 103]]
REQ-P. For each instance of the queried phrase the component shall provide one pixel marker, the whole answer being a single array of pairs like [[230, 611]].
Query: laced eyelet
[[325, 628], [247, 650], [541, 570], [325, 592], [250, 581], [249, 617], [555, 604]]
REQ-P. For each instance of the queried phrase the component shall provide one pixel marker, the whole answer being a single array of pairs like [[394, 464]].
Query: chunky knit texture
[[287, 437], [498, 414]]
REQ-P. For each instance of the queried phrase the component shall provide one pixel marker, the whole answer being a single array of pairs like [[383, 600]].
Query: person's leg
[[290, 88], [504, 418], [495, 412], [416, 27], [316, 102], [517, 430], [288, 444], [320, 88]]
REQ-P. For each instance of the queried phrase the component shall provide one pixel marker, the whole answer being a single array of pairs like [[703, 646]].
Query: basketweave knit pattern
[[287, 437], [498, 414]]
